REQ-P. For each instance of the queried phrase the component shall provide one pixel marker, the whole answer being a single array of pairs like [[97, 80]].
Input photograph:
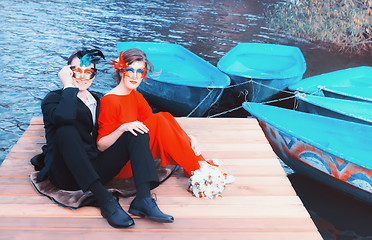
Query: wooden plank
[[169, 200], [236, 147], [237, 170], [173, 181], [22, 170], [14, 162], [185, 210], [27, 155], [32, 140], [27, 148], [258, 224], [238, 154], [33, 133], [152, 234], [259, 189], [260, 204]]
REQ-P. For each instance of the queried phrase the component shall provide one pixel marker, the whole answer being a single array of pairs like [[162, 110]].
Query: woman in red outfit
[[124, 109]]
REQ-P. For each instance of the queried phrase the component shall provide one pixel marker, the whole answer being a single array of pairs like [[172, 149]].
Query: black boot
[[115, 215], [147, 207]]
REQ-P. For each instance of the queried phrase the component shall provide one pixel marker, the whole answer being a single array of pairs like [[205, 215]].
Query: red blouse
[[168, 141]]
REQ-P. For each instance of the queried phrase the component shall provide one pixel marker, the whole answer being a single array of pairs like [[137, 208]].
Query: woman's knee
[[163, 115], [140, 138]]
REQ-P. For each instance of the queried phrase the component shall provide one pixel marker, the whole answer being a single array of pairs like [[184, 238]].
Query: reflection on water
[[353, 218], [37, 36]]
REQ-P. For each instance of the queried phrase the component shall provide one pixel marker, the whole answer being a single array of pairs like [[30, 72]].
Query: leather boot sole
[[142, 214], [118, 226]]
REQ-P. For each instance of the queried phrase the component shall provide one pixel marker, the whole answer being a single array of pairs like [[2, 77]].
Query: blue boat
[[262, 69], [363, 94], [332, 151], [357, 77], [354, 111], [187, 85]]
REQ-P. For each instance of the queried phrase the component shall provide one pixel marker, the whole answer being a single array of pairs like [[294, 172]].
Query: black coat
[[63, 107]]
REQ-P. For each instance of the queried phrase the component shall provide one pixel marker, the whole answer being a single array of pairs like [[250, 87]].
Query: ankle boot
[[147, 207], [115, 215]]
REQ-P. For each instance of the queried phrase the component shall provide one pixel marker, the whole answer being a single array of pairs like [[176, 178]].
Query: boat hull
[[358, 76], [347, 110], [318, 164], [315, 160], [267, 69], [167, 97], [261, 90], [362, 94]]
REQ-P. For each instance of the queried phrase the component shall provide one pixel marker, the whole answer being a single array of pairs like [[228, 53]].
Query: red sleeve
[[144, 109], [108, 116]]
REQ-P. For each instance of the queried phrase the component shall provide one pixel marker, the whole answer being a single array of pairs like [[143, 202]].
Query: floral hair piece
[[120, 64]]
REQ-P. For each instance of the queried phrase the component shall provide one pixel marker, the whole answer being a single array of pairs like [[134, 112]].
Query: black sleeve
[[59, 107]]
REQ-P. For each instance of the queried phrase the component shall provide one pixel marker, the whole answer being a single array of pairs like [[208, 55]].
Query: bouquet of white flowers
[[207, 182]]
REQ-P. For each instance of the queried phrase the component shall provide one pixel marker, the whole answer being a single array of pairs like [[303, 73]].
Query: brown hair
[[133, 55]]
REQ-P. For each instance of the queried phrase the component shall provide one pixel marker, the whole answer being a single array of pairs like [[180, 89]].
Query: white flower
[[207, 182]]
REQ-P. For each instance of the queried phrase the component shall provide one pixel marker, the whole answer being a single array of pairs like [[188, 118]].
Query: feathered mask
[[89, 56]]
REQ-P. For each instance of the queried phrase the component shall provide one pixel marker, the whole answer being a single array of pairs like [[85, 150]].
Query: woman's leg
[[136, 148], [171, 143]]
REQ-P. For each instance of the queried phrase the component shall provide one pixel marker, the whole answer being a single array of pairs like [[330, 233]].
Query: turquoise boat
[[348, 110], [187, 85], [350, 93], [332, 151], [262, 69], [351, 77]]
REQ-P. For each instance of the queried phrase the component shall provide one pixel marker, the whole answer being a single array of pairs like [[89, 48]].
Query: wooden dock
[[260, 204]]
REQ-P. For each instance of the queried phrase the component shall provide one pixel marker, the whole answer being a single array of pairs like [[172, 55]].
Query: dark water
[[37, 36]]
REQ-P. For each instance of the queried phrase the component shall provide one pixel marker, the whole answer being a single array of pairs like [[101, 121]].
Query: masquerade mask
[[132, 73], [86, 57], [121, 65], [83, 73]]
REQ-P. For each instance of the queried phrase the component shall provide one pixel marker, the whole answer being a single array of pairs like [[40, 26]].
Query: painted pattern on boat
[[290, 147]]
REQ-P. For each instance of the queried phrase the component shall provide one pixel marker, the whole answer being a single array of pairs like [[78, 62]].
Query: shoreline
[[344, 26]]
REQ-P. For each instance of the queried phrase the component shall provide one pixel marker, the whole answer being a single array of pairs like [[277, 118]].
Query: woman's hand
[[65, 75], [194, 145], [133, 127]]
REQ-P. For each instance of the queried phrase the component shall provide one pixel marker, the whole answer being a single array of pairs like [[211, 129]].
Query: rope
[[295, 105], [221, 113], [280, 90], [231, 110], [242, 83], [246, 93], [200, 103], [258, 83], [278, 100]]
